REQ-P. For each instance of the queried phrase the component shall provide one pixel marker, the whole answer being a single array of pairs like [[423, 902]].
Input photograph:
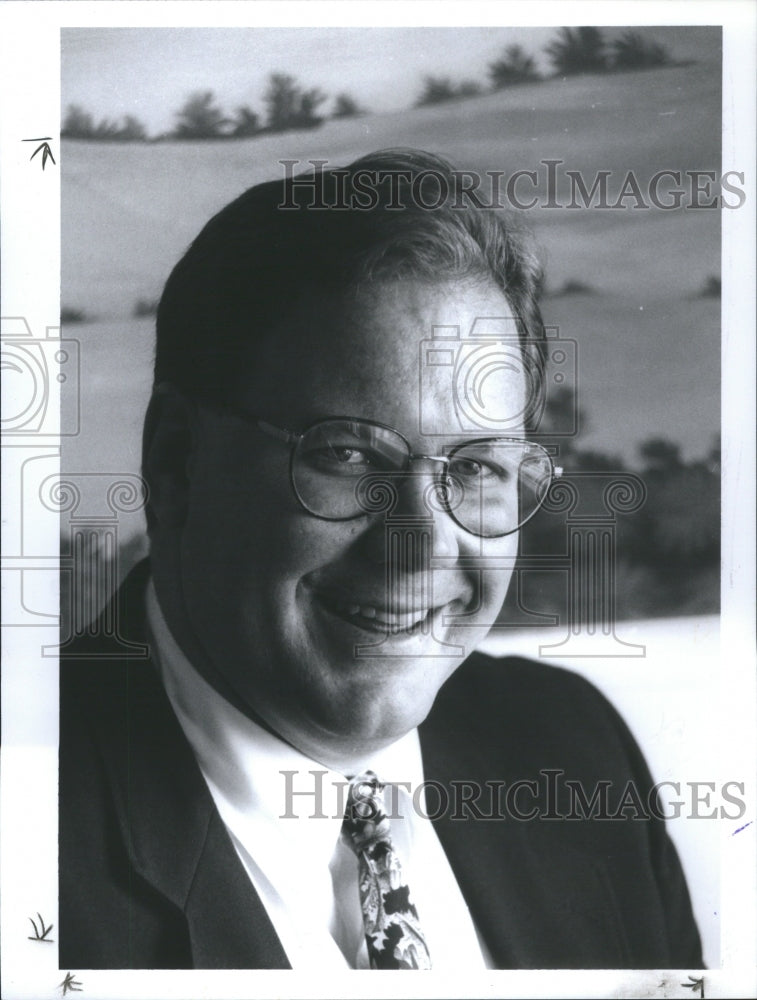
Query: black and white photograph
[[378, 489]]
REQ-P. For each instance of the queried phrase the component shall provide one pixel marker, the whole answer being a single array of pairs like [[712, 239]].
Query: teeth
[[396, 622]]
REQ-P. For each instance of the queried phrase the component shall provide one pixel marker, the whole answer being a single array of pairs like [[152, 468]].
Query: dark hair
[[331, 231]]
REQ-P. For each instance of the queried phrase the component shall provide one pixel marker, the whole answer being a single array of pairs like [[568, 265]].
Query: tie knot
[[365, 820]]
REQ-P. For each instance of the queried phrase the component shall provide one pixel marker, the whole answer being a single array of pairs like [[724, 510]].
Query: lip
[[405, 621]]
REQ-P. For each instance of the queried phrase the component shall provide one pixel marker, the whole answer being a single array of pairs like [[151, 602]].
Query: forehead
[[390, 352]]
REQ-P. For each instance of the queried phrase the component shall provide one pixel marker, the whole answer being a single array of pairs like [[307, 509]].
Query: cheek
[[497, 581], [263, 551], [234, 510], [298, 543], [246, 517]]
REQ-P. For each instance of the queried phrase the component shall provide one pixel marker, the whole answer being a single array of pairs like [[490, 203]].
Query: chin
[[391, 697]]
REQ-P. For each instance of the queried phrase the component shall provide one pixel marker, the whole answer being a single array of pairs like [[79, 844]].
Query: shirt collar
[[251, 773]]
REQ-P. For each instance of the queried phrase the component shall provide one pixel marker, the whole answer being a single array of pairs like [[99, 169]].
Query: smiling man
[[313, 768]]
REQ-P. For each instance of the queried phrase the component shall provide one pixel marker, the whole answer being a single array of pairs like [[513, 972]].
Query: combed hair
[[255, 257]]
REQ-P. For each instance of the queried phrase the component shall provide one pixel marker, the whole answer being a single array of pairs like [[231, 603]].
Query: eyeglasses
[[343, 468]]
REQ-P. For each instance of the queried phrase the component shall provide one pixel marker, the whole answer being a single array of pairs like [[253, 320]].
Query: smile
[[373, 618], [383, 619]]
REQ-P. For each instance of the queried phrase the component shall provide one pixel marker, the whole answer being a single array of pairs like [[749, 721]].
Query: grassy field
[[648, 344]]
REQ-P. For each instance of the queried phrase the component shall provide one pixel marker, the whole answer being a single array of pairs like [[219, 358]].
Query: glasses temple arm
[[278, 432]]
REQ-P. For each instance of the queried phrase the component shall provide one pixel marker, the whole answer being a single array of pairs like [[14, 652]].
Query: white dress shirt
[[290, 844]]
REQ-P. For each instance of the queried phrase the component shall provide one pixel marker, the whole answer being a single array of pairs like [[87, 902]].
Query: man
[[333, 517]]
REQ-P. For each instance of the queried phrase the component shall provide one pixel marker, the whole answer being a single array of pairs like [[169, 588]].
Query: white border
[[29, 61]]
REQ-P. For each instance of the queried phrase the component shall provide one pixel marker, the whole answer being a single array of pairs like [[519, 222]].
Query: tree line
[[667, 551], [290, 105], [573, 51]]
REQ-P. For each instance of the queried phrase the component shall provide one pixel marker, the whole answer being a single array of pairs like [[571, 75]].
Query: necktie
[[392, 931]]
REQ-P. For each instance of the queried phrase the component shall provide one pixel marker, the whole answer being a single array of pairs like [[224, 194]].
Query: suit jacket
[[149, 877]]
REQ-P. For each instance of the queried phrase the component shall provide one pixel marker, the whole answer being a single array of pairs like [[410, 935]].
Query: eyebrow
[[489, 439]]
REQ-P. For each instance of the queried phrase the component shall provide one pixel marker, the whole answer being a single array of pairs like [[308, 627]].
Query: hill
[[649, 347]]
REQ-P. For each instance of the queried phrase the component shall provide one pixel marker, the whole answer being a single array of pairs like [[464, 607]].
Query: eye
[[340, 460], [349, 456], [468, 468]]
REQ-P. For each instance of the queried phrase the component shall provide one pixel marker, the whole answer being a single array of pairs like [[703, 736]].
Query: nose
[[417, 527], [422, 496]]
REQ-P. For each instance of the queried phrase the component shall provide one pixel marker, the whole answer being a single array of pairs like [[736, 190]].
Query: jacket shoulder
[[518, 717]]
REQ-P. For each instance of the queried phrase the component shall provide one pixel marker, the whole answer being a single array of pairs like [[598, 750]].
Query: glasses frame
[[292, 438]]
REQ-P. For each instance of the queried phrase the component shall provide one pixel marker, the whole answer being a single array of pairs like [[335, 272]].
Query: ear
[[168, 446]]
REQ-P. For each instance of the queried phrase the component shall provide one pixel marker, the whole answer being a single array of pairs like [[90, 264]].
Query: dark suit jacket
[[149, 877]]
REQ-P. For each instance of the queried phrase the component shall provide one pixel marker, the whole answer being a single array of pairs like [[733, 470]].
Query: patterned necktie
[[392, 931]]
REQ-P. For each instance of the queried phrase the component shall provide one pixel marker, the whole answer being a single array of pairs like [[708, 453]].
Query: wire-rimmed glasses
[[342, 468]]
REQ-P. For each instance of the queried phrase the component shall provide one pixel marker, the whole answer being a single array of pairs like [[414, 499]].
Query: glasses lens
[[333, 457], [495, 486], [489, 487]]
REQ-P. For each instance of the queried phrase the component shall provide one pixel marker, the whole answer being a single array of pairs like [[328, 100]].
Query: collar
[[280, 804]]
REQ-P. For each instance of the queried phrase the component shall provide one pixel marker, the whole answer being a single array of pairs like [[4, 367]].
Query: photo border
[[29, 68]]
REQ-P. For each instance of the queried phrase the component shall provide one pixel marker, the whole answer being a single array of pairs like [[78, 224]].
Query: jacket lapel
[[171, 829], [537, 901]]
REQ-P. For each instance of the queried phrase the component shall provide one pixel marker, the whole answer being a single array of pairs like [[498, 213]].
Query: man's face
[[276, 601]]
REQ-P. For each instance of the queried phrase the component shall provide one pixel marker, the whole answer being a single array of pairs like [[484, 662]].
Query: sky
[[149, 72]]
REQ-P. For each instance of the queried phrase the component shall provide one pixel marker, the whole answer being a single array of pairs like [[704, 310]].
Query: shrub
[[145, 307], [289, 106], [679, 529], [660, 455], [200, 117], [632, 51], [711, 287], [70, 314], [468, 88], [514, 66], [578, 50], [346, 107], [246, 123], [438, 89], [575, 287], [105, 129], [79, 124], [132, 130]]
